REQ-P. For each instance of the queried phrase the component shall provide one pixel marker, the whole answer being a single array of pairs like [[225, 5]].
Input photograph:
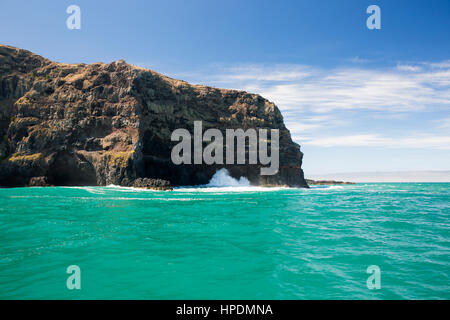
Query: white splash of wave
[[222, 178], [221, 182]]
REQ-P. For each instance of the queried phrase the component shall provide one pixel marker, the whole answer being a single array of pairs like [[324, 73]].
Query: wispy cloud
[[255, 73], [406, 67], [375, 140], [358, 60], [304, 88], [443, 123], [319, 103], [295, 127], [441, 65]]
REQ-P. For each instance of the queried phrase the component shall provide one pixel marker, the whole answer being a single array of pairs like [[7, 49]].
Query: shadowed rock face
[[100, 124]]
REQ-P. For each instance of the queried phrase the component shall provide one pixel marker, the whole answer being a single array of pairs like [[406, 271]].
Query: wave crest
[[222, 178]]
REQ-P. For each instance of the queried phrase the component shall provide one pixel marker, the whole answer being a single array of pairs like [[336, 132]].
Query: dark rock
[[147, 183], [38, 182]]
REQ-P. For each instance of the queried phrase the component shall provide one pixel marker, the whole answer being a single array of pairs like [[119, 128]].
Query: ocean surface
[[236, 242]]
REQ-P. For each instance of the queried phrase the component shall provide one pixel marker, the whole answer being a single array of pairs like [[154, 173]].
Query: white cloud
[[443, 123], [406, 88], [405, 67], [355, 89], [302, 127], [358, 60], [275, 73], [420, 141], [319, 102], [441, 65]]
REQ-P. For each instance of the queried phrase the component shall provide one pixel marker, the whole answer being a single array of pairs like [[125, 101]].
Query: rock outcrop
[[147, 183], [100, 124]]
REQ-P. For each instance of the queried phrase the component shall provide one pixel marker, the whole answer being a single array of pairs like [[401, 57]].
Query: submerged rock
[[101, 124]]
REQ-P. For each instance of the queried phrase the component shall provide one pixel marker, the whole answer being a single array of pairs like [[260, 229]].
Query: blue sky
[[355, 99]]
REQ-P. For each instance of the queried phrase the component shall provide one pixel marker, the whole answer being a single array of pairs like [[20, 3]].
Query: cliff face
[[100, 124]]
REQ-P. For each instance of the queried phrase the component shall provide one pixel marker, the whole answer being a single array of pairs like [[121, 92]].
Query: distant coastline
[[386, 176], [326, 182]]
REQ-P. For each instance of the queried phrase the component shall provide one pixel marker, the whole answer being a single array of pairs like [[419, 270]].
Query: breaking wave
[[222, 178], [221, 181]]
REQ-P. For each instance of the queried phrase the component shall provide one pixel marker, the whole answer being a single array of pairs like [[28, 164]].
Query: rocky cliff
[[100, 124]]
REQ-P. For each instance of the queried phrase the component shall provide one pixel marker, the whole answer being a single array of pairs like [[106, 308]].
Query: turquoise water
[[226, 243]]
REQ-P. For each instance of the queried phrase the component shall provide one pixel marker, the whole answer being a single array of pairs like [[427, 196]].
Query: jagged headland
[[100, 124]]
